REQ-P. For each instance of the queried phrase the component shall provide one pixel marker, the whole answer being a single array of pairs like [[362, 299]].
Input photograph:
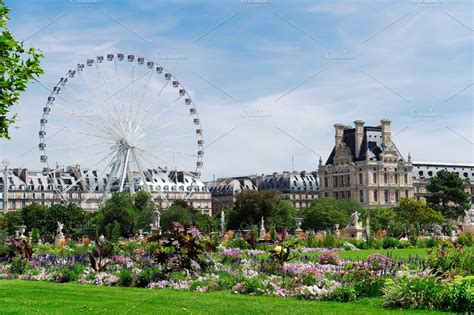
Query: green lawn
[[26, 297], [395, 253]]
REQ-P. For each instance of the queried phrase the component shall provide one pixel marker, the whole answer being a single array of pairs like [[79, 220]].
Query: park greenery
[[18, 66], [406, 262]]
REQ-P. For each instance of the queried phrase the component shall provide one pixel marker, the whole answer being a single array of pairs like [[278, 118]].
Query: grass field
[[394, 253], [26, 297]]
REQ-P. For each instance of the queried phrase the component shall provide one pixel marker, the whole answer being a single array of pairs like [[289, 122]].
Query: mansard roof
[[371, 144]]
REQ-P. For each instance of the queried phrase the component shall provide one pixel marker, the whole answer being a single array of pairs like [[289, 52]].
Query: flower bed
[[187, 260]]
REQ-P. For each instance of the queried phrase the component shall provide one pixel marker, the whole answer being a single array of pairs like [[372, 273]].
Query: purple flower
[[194, 232], [178, 227]]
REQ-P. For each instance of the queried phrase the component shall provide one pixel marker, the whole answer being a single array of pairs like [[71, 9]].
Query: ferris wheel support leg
[[124, 172]]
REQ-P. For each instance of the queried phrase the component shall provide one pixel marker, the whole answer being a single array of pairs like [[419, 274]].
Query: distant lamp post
[[5, 164]]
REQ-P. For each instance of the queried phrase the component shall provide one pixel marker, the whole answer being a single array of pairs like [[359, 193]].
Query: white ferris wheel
[[119, 120]]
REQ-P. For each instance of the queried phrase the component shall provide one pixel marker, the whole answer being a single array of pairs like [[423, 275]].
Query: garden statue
[[155, 226], [222, 222], [354, 221], [336, 230], [156, 218], [353, 229], [298, 225], [101, 238], [59, 230], [140, 235], [367, 228], [262, 231], [468, 225], [60, 239]]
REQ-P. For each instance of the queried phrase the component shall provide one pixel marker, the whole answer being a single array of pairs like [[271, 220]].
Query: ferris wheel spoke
[[172, 150], [119, 81], [77, 97], [139, 107], [109, 94], [140, 168], [92, 188], [172, 137], [132, 88], [160, 114], [74, 114], [148, 154], [92, 93], [81, 132], [158, 95], [84, 175], [78, 146]]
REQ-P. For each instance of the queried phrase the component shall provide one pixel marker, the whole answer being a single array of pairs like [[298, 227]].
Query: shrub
[[415, 292], [447, 258], [431, 242], [379, 262], [328, 258], [341, 294], [365, 281], [68, 273], [466, 239], [126, 278], [19, 265], [238, 242], [329, 241], [430, 293], [404, 244], [459, 296], [389, 242]]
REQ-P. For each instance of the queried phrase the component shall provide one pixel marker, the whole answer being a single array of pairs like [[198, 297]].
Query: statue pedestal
[[352, 232], [60, 239], [155, 231]]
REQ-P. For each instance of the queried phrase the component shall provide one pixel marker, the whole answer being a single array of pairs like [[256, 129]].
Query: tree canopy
[[250, 206], [18, 67], [325, 212], [447, 195]]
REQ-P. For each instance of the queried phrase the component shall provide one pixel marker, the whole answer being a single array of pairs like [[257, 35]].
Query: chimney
[[386, 133], [339, 134], [359, 135]]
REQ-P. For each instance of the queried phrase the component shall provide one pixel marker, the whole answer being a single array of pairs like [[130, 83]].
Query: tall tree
[[447, 194], [325, 212], [120, 209], [144, 207], [250, 206], [18, 67], [412, 211]]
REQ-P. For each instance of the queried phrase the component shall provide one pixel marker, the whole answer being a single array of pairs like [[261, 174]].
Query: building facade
[[423, 171], [88, 190], [301, 188], [366, 166]]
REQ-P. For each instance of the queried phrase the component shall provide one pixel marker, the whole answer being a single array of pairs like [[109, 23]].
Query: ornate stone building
[[25, 187], [366, 166]]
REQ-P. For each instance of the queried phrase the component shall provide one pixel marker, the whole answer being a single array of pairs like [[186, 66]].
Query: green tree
[[250, 206], [144, 207], [381, 218], [35, 216], [18, 67], [119, 208], [412, 213], [176, 213], [325, 212], [14, 219], [447, 194], [71, 215]]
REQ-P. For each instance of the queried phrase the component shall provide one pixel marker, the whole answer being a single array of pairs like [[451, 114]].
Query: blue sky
[[300, 66]]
